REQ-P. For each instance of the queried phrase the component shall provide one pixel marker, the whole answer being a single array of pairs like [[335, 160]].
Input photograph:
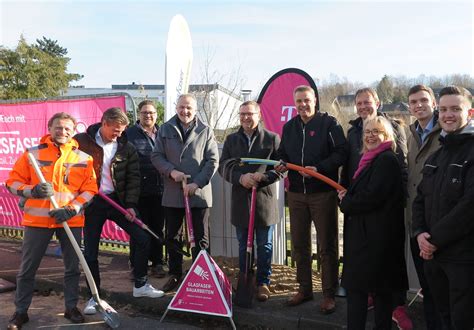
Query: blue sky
[[119, 42]]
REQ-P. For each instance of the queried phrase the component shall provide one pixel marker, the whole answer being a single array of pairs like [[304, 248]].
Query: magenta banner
[[23, 124], [276, 99]]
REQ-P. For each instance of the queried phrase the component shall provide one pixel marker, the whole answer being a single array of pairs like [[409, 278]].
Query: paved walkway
[[118, 293]]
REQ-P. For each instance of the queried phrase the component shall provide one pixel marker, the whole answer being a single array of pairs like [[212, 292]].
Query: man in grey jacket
[[185, 146]]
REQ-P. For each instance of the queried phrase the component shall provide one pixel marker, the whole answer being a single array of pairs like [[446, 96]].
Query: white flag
[[179, 58]]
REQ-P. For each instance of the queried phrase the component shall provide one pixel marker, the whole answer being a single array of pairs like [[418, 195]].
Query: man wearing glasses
[[253, 141], [143, 135]]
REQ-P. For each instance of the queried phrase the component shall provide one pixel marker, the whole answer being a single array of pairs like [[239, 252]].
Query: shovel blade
[[109, 314], [245, 290]]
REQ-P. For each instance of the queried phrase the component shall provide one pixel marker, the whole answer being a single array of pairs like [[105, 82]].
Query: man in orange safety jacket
[[71, 180]]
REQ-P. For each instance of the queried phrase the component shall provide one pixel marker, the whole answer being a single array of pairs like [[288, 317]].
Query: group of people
[[430, 176], [434, 186], [141, 168]]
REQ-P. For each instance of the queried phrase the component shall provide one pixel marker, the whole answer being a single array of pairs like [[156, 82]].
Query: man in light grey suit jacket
[[185, 146]]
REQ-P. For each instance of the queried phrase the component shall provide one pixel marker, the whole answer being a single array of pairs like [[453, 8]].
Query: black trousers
[[432, 317], [357, 310], [452, 287], [152, 214], [96, 214], [174, 231]]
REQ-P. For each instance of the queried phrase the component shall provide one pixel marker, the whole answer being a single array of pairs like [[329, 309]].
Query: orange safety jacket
[[68, 169]]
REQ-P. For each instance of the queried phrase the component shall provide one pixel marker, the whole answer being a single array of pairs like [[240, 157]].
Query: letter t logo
[[287, 112]]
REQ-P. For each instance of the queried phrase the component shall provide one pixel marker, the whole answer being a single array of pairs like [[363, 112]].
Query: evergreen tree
[[34, 71], [51, 47]]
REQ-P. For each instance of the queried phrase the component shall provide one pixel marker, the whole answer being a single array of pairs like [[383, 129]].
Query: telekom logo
[[287, 112]]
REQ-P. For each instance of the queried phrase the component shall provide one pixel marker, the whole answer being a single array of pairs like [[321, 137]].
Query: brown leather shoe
[[17, 320], [171, 284], [263, 293], [74, 315], [328, 305], [298, 299]]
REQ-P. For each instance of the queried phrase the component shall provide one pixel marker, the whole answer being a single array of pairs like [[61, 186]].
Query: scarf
[[369, 156]]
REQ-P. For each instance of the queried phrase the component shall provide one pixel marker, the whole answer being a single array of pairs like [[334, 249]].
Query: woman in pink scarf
[[374, 229]]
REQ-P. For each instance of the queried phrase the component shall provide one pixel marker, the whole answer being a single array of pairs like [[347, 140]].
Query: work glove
[[42, 190], [62, 214]]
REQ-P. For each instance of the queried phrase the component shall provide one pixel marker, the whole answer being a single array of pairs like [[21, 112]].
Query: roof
[[192, 88], [394, 107], [346, 100]]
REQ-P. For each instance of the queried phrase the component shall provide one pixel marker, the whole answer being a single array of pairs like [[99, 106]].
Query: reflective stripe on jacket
[[68, 169]]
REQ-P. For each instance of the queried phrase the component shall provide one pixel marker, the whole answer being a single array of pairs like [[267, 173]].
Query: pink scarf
[[369, 156]]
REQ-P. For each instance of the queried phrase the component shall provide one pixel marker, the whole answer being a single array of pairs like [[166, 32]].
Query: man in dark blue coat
[[143, 135]]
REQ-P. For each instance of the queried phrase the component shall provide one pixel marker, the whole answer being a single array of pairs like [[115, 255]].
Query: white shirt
[[106, 184]]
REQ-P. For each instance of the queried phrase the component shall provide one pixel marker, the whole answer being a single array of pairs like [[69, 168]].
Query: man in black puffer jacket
[[118, 175], [443, 212], [316, 141]]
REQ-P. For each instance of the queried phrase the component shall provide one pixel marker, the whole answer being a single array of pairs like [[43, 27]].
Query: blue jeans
[[264, 238]]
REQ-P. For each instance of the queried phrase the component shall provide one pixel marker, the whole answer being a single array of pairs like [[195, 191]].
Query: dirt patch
[[283, 278]]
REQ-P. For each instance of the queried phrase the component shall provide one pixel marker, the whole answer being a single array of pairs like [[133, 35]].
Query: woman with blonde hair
[[374, 231]]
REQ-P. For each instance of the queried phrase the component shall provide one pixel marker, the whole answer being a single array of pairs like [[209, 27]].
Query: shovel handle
[[294, 167], [140, 223], [187, 209], [253, 202], [77, 249], [316, 175], [119, 208]]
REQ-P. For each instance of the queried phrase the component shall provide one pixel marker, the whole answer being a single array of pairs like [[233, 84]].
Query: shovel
[[189, 219], [140, 224], [246, 284], [110, 315]]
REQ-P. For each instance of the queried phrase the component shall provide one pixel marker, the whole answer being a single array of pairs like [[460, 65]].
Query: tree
[[34, 71], [218, 97], [329, 90], [160, 112], [385, 90], [51, 47]]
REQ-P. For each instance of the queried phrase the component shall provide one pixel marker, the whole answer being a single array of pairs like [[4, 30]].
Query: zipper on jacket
[[251, 142], [332, 139], [302, 157], [182, 141], [112, 173]]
